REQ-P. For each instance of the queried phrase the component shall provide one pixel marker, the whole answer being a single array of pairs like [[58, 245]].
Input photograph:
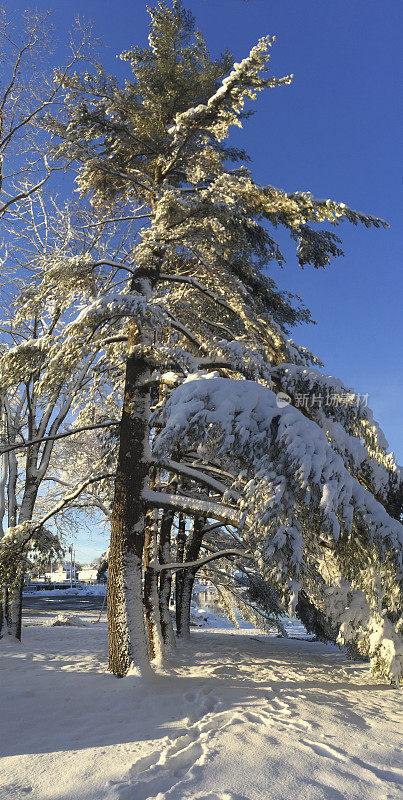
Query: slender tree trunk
[[15, 603], [148, 579], [11, 600], [126, 630], [149, 575], [166, 580], [12, 614], [192, 553], [10, 607], [180, 554], [151, 599], [5, 619], [183, 626]]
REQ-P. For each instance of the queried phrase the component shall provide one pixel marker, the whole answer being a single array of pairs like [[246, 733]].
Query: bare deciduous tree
[[30, 87]]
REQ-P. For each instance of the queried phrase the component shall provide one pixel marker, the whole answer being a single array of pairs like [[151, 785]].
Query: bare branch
[[201, 561], [75, 493], [57, 436]]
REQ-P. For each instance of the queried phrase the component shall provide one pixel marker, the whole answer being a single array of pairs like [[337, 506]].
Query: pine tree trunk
[[180, 553], [151, 599], [126, 634], [192, 553], [166, 580], [126, 629], [183, 624]]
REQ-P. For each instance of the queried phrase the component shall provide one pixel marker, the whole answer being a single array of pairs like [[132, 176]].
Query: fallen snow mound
[[67, 619]]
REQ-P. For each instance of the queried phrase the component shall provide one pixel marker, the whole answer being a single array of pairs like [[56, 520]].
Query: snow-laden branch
[[197, 285], [192, 505], [347, 420], [242, 422], [178, 326], [198, 476], [24, 194], [242, 82], [110, 306], [300, 502]]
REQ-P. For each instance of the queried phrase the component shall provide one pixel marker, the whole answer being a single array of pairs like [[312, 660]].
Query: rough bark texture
[[192, 552], [166, 579], [11, 607], [148, 578], [126, 630], [180, 554], [16, 605], [11, 604], [5, 616], [126, 635], [14, 608], [151, 599]]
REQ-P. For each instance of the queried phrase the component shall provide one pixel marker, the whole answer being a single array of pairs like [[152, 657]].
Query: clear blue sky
[[335, 131]]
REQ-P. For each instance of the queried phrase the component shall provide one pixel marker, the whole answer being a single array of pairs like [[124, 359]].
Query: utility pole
[[71, 565]]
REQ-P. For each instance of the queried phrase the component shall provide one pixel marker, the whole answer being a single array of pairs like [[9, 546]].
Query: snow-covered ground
[[241, 716]]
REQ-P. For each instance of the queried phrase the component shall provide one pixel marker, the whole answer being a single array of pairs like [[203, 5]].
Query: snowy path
[[243, 717]]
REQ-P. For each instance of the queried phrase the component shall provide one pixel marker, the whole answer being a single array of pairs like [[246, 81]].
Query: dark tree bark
[[11, 607], [180, 554], [16, 605], [149, 580], [126, 631], [166, 579], [151, 598], [192, 553], [5, 616]]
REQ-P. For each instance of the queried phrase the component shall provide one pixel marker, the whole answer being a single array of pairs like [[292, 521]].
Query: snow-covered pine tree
[[311, 524], [155, 148]]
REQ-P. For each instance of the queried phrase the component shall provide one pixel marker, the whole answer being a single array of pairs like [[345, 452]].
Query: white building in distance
[[88, 574]]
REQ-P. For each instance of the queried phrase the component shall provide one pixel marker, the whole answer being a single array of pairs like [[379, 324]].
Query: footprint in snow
[[394, 775], [322, 749], [179, 759], [219, 796], [15, 790], [278, 712]]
